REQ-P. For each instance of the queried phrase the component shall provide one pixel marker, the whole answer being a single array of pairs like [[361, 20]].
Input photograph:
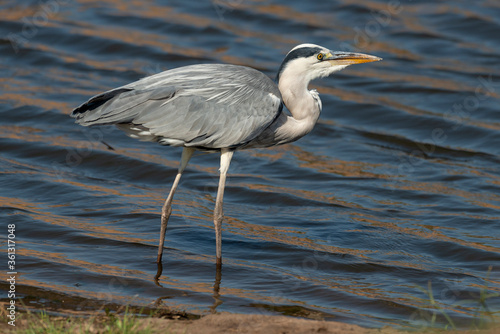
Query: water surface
[[397, 186]]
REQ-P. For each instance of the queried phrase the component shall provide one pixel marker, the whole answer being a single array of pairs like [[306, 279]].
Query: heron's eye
[[320, 56]]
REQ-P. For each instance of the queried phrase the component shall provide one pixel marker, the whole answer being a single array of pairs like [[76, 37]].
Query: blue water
[[398, 185]]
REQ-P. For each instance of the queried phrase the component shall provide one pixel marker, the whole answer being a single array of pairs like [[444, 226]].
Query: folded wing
[[205, 106]]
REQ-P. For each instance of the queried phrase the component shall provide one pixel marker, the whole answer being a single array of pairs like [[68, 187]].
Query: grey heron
[[219, 107]]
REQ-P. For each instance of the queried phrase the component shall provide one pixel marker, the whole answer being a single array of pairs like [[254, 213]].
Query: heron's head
[[307, 62]]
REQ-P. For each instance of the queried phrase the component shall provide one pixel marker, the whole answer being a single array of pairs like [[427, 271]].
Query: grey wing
[[205, 106]]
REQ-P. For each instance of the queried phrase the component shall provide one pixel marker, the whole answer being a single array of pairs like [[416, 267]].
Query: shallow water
[[397, 186]]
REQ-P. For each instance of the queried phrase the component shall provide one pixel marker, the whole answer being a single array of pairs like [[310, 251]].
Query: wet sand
[[231, 323], [253, 324]]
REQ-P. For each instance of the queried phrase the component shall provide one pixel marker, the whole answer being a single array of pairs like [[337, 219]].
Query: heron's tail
[[86, 113]]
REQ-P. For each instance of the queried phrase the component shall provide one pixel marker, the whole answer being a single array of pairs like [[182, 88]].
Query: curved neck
[[304, 105], [297, 98]]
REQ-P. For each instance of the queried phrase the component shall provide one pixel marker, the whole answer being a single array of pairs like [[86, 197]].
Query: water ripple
[[397, 185]]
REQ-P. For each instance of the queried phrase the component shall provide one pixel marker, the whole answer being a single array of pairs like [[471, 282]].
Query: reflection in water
[[396, 186], [216, 288]]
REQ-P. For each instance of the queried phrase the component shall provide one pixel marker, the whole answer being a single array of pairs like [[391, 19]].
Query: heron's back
[[209, 106]]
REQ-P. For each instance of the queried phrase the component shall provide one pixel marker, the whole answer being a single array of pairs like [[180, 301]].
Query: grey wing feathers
[[207, 106], [119, 105]]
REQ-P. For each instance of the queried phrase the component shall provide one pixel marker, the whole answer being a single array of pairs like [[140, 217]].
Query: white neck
[[304, 105]]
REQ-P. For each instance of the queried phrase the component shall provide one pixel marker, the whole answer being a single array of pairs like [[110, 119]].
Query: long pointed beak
[[349, 58]]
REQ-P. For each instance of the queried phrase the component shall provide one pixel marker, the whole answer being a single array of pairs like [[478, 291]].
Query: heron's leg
[[225, 160], [167, 207]]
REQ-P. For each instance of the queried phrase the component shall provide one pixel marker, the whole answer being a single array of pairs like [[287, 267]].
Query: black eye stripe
[[302, 53], [298, 53]]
